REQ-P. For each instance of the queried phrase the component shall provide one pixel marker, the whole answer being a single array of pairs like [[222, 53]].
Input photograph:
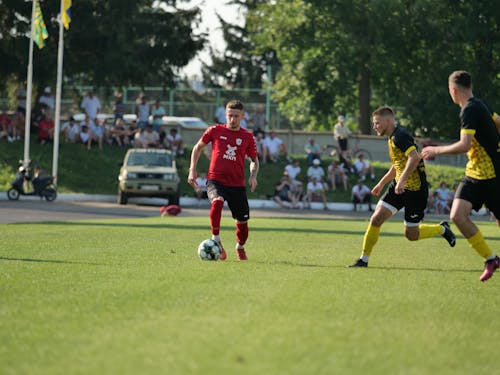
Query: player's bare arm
[[195, 156], [254, 169], [389, 176], [411, 165], [460, 147]]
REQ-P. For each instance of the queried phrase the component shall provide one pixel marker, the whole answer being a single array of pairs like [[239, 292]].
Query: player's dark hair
[[461, 78], [234, 104], [385, 110]]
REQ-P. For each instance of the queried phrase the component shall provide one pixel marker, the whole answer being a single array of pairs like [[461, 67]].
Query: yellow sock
[[370, 239], [478, 243], [429, 230]]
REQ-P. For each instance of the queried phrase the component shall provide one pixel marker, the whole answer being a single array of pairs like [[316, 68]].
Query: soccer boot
[[448, 234], [223, 254], [240, 253], [359, 263], [490, 266]]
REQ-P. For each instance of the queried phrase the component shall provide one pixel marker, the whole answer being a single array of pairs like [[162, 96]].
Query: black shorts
[[342, 143], [235, 196], [479, 192], [414, 202]]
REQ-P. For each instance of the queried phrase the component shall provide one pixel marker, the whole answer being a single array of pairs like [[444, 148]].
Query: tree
[[241, 65], [352, 55], [114, 42]]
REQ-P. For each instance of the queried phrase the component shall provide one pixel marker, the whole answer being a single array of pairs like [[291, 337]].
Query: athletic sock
[[478, 243], [242, 233], [215, 215], [370, 239], [429, 230]]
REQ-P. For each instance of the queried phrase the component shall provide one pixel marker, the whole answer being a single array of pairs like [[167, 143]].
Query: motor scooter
[[41, 186]]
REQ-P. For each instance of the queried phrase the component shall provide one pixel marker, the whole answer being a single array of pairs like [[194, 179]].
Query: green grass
[[131, 297], [96, 172]]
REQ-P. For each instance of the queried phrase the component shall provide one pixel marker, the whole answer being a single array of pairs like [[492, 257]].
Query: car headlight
[[129, 175], [169, 177]]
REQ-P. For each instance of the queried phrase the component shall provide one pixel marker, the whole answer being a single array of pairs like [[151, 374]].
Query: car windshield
[[151, 159]]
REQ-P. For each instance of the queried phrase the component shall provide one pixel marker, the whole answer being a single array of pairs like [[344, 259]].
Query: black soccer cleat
[[359, 263], [448, 234]]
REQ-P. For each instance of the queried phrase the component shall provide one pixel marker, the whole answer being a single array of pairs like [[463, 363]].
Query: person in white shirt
[[71, 131], [272, 147], [47, 101], [315, 190], [363, 167], [143, 111], [174, 142], [361, 194], [341, 134], [91, 105], [316, 171], [293, 169]]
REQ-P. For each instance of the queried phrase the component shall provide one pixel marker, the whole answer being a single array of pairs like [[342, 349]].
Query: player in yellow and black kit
[[480, 139], [408, 188]]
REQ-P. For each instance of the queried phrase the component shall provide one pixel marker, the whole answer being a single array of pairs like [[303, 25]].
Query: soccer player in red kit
[[231, 144]]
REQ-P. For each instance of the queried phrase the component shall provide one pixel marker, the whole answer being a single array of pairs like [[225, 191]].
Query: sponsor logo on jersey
[[230, 153]]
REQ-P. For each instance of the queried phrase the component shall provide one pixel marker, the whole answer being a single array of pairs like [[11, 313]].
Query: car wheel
[[122, 197]]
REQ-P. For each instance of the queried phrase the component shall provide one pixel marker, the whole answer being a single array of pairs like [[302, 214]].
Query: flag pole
[[29, 85], [57, 125]]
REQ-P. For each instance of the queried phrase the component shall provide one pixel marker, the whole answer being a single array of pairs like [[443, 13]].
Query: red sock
[[242, 233], [215, 215]]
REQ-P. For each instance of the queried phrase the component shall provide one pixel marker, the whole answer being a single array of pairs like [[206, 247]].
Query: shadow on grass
[[47, 261]]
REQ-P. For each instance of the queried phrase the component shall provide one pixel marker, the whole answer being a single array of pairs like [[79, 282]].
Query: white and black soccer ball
[[209, 250]]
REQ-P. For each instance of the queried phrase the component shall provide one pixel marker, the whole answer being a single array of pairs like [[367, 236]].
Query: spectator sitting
[[86, 135], [98, 132], [147, 138], [201, 188], [5, 126], [45, 129], [337, 175], [361, 194], [119, 133], [363, 167], [441, 202], [315, 191], [174, 142], [293, 169], [71, 131], [316, 171], [283, 195], [313, 151], [272, 147]]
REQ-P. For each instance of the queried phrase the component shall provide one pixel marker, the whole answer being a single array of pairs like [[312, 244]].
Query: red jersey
[[229, 149]]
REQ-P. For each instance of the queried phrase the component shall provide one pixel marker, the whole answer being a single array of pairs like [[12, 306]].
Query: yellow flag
[[66, 16], [39, 31]]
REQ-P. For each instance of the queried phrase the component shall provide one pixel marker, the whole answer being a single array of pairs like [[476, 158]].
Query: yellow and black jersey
[[476, 118], [401, 143]]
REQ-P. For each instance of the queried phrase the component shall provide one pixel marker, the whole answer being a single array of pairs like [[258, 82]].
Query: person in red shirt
[[45, 129], [231, 144]]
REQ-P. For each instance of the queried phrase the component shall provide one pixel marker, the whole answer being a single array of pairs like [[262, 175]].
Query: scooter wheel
[[50, 194], [13, 194]]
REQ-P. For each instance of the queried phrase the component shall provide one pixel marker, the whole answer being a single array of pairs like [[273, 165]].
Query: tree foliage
[[242, 63], [113, 42], [353, 55]]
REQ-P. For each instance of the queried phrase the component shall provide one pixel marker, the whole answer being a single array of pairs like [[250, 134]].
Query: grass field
[[131, 297]]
